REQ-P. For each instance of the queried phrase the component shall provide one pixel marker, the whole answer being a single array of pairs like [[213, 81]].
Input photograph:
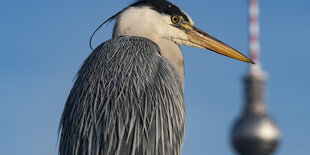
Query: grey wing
[[126, 100]]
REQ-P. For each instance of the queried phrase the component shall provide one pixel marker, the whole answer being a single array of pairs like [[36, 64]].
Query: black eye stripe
[[163, 7]]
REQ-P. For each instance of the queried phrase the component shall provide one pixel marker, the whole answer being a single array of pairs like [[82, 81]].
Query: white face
[[148, 23]]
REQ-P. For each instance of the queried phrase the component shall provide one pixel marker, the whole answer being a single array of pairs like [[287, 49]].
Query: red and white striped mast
[[255, 69]]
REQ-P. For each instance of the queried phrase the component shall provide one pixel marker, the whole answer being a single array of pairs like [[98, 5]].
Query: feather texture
[[127, 100]]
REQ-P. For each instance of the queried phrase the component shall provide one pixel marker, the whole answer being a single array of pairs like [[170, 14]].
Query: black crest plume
[[161, 6]]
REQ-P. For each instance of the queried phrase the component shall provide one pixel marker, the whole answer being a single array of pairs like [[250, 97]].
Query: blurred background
[[43, 44]]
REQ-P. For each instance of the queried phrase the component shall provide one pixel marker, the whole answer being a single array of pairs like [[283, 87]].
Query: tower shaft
[[255, 81]]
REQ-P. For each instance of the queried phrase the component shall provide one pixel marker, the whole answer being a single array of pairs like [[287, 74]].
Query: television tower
[[255, 133]]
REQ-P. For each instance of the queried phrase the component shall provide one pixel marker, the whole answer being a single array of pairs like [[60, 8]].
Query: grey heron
[[127, 98]]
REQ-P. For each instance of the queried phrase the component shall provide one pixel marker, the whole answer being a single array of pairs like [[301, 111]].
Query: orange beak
[[206, 41]]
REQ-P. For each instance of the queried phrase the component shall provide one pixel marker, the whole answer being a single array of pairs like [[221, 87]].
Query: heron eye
[[175, 19]]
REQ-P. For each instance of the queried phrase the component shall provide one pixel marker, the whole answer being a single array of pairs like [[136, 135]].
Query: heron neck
[[169, 49], [172, 52]]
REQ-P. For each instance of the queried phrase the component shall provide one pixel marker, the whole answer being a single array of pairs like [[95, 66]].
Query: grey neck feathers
[[169, 49]]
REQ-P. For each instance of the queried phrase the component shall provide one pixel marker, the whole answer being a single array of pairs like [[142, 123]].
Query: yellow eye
[[175, 19]]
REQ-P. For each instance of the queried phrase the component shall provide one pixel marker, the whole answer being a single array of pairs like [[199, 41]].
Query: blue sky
[[43, 44]]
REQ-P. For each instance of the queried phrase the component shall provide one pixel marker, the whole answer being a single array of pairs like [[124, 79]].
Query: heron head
[[157, 19]]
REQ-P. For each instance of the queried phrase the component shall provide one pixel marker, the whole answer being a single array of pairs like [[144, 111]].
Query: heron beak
[[204, 40]]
